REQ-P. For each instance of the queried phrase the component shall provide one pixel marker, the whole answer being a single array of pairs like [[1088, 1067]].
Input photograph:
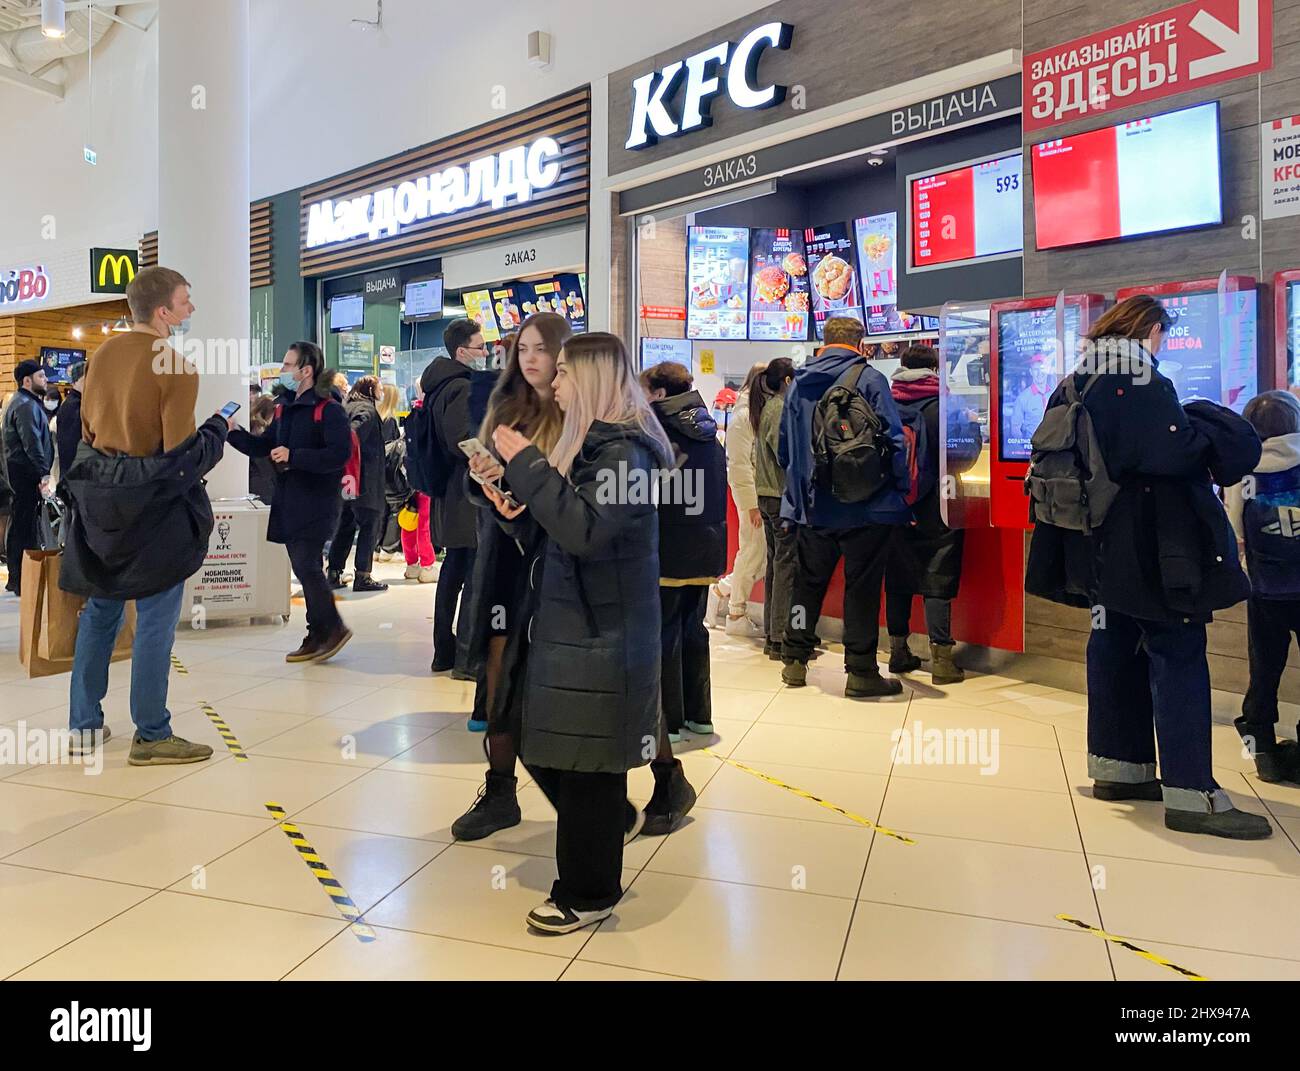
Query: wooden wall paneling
[[23, 335]]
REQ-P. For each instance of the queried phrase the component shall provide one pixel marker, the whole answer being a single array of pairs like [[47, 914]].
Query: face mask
[[288, 381], [51, 404]]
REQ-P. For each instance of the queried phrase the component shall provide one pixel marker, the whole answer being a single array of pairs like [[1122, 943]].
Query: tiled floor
[[180, 872]]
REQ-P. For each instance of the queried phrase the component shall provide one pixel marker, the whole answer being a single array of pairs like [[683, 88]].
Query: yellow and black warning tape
[[179, 666], [809, 796], [1160, 960], [232, 742], [333, 888]]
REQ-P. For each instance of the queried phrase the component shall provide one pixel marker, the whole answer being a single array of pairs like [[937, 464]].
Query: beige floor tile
[[250, 727], [407, 705], [42, 911], [269, 872], [141, 844], [1012, 729], [29, 815], [804, 708], [739, 704], [450, 752], [833, 749], [1198, 906], [246, 787], [1281, 798], [300, 697], [1008, 765], [765, 677], [1216, 966], [981, 812], [969, 877], [22, 699], [116, 777], [195, 943], [699, 765], [717, 930], [580, 971], [343, 742], [397, 803], [479, 895], [727, 735], [781, 853], [267, 663], [907, 944], [202, 686], [397, 955], [733, 789]]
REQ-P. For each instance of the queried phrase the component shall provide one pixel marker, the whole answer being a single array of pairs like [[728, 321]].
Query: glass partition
[[964, 414]]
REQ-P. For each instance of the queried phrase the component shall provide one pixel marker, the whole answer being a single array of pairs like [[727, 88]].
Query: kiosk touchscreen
[[1212, 349], [1286, 320], [1033, 344]]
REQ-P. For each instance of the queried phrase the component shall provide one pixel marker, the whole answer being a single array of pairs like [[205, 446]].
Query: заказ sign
[[512, 173], [1188, 46], [702, 74]]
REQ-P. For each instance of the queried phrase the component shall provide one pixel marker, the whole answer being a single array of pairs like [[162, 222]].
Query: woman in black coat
[[361, 516], [310, 442], [591, 705], [1162, 560]]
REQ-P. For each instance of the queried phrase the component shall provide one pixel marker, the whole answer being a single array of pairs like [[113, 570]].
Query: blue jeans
[[155, 629]]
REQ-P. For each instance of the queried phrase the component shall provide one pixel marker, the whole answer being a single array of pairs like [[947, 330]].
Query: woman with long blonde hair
[[522, 399], [590, 710]]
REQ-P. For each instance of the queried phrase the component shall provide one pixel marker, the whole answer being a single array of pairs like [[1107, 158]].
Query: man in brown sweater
[[138, 402]]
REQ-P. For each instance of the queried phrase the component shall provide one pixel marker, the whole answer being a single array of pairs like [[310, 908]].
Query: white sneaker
[[383, 556], [551, 918], [412, 572], [715, 613], [429, 574], [742, 626]]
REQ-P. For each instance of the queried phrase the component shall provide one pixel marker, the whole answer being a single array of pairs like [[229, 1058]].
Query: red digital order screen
[[969, 212]]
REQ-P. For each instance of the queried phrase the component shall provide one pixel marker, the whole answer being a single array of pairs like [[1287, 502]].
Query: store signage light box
[[111, 270], [516, 173], [654, 115], [21, 285]]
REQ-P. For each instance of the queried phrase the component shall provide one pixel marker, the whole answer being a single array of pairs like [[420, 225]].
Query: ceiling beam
[[37, 85]]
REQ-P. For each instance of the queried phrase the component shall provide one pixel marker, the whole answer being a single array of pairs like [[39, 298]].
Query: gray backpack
[[1068, 482]]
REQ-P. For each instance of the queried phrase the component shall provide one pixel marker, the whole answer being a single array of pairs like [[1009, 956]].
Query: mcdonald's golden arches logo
[[112, 269]]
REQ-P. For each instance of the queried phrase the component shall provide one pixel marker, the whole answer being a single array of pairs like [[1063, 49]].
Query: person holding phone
[[508, 551], [309, 439], [590, 708]]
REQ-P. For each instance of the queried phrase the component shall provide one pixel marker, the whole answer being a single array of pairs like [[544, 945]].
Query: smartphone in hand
[[229, 409], [474, 448]]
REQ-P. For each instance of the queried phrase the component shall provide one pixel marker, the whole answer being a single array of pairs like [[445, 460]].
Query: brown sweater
[[129, 408]]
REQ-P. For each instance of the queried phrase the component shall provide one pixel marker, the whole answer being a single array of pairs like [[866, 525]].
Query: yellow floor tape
[[179, 666], [333, 888], [232, 743], [809, 796], [1161, 961]]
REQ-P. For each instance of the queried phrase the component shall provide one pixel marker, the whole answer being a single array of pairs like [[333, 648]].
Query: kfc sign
[[1186, 47], [656, 112]]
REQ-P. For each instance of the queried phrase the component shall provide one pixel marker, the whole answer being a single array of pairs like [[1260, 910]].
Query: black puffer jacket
[[693, 514], [364, 418], [1166, 551], [592, 701], [140, 525], [451, 516]]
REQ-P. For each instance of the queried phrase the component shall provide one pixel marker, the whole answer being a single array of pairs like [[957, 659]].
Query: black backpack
[[852, 450], [397, 486], [428, 468]]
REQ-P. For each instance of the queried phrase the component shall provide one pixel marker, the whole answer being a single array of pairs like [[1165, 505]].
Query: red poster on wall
[[1188, 46]]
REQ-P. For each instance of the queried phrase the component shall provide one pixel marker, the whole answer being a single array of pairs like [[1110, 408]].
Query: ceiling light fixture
[[76, 333], [52, 18], [121, 326]]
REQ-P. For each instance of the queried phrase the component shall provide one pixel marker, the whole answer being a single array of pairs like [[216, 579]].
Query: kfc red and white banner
[[1185, 47]]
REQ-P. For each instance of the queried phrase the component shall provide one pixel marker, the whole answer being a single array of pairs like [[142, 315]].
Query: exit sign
[[90, 154]]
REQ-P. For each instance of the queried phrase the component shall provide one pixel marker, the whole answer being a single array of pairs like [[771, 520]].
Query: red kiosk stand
[[1286, 329], [1032, 343], [1212, 349]]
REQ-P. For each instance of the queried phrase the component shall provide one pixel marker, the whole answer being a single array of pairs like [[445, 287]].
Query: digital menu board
[[717, 282], [1210, 356], [347, 312], [508, 305], [658, 350], [1139, 177], [478, 307], [834, 276], [562, 295], [1030, 364], [56, 361], [778, 293], [423, 299], [966, 213]]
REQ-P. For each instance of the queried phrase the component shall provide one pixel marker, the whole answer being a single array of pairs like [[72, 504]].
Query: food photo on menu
[[506, 304], [717, 282], [778, 298], [831, 269], [877, 246]]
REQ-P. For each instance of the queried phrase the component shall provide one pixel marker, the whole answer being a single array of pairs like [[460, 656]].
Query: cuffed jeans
[[155, 630], [1145, 676]]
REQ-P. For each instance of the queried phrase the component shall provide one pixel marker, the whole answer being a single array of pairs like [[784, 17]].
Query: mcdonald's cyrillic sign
[[112, 269]]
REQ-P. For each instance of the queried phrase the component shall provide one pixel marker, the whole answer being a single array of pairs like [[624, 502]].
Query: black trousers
[[684, 673], [1270, 624], [22, 526], [322, 615], [898, 615], [362, 525], [457, 564], [817, 552], [780, 569], [592, 816]]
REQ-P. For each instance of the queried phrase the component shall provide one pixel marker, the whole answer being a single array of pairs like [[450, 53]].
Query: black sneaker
[[870, 686], [366, 582], [335, 579], [1280, 763], [550, 917], [1233, 824], [496, 808], [672, 800]]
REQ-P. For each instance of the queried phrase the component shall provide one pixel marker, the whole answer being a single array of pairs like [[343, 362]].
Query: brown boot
[[942, 668]]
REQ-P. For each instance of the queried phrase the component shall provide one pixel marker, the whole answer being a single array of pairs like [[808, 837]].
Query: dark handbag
[[51, 524]]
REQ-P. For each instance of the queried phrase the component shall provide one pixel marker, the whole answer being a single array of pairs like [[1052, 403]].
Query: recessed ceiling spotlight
[[52, 18]]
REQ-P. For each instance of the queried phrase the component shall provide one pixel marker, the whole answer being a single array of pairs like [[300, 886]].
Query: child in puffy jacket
[[1265, 512]]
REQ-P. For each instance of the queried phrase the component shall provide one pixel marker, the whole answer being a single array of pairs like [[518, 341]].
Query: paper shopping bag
[[48, 619]]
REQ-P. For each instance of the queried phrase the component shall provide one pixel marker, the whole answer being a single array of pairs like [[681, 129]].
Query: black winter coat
[[67, 430], [308, 495], [140, 525], [1166, 551], [592, 697], [693, 534], [364, 418], [451, 516], [28, 445]]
